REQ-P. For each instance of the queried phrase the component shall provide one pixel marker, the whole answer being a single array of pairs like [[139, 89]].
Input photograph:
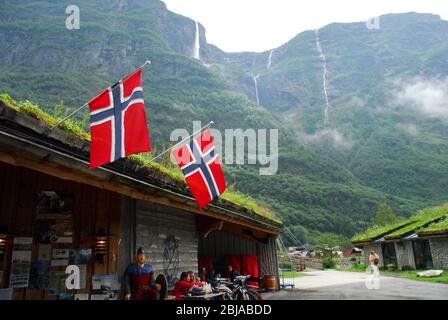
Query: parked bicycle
[[220, 285], [241, 291]]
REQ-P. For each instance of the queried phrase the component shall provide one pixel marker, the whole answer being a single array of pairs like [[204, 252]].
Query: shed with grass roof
[[132, 202], [419, 242]]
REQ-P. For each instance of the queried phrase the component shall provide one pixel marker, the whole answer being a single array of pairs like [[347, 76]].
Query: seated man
[[139, 280], [183, 286], [231, 274]]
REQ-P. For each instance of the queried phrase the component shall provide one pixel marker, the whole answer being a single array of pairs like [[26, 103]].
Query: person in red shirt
[[183, 286]]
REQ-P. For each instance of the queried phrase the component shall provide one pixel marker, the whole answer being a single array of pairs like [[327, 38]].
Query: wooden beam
[[205, 231], [67, 173]]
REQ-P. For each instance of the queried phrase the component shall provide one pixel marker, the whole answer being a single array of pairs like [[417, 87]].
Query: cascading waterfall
[[197, 45], [270, 58], [255, 78], [324, 78]]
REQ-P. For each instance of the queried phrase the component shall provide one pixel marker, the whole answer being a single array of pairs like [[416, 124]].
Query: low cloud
[[426, 96], [333, 136], [409, 128]]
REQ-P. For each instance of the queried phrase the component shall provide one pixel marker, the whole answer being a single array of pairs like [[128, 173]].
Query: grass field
[[292, 274], [409, 274], [413, 276]]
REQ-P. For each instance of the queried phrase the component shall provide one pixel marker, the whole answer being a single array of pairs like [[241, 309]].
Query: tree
[[384, 215], [330, 240]]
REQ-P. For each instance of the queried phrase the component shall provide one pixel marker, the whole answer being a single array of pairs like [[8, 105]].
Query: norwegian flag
[[118, 122], [202, 168]]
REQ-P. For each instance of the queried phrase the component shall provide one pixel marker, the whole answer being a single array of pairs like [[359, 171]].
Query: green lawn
[[291, 274], [410, 274], [358, 268], [413, 276]]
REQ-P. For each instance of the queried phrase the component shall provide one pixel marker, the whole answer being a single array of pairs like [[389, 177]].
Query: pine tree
[[384, 215]]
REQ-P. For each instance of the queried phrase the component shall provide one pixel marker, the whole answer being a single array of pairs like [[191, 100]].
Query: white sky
[[258, 25]]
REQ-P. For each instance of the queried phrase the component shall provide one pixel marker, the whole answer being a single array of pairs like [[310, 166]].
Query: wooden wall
[[93, 209], [219, 244], [155, 226]]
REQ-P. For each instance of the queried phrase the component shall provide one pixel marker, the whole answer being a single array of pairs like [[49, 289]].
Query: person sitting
[[231, 274], [183, 286], [203, 276], [139, 280], [194, 280]]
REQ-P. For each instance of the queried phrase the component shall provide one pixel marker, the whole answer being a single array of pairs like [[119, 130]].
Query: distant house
[[306, 250], [420, 242], [354, 251]]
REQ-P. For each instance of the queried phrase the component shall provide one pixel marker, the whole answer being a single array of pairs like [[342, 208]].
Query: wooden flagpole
[[147, 63]]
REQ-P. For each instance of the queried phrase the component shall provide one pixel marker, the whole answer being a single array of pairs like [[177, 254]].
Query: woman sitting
[[182, 287], [195, 281]]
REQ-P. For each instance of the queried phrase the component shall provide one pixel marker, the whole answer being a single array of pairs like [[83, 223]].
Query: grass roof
[[440, 227], [377, 232], [420, 220], [421, 223], [167, 168]]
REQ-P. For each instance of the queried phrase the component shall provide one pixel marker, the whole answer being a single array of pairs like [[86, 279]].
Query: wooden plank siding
[[94, 208]]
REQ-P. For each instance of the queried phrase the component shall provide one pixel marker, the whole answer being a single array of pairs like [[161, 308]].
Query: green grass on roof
[[249, 203], [420, 220], [435, 228], [416, 222], [34, 111], [142, 159], [375, 232]]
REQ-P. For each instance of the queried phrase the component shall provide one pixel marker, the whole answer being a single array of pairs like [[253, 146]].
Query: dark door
[[422, 254], [389, 254]]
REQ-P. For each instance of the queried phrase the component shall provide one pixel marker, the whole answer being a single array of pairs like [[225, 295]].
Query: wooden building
[[50, 197]]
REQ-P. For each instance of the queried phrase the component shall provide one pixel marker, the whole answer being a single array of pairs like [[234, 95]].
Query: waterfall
[[197, 45], [255, 78], [270, 58], [324, 77]]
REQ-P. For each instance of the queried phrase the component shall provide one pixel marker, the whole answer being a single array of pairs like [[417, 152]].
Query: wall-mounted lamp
[[4, 236], [101, 244]]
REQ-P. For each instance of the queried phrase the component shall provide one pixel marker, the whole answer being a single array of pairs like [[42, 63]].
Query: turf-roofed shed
[[419, 242], [131, 203]]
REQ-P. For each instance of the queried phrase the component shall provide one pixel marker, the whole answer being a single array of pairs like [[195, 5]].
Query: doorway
[[422, 254]]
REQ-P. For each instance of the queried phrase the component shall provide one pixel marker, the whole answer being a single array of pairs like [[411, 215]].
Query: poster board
[[21, 262]]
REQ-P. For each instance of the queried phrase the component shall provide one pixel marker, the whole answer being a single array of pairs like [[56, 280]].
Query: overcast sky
[[259, 25]]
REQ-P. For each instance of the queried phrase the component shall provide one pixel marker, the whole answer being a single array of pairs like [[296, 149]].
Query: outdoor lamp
[[3, 237], [101, 244]]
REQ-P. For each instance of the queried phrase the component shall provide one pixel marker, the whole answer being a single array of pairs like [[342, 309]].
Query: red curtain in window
[[249, 265]]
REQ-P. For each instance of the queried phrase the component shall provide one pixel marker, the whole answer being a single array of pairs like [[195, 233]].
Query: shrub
[[328, 262]]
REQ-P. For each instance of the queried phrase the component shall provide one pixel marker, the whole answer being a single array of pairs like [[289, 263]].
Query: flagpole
[[147, 63], [183, 140]]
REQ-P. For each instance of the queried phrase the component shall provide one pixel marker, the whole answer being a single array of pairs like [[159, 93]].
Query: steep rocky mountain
[[332, 174], [383, 88]]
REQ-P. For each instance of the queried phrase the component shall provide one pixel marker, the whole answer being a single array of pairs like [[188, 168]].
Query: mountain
[[331, 175], [385, 144]]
